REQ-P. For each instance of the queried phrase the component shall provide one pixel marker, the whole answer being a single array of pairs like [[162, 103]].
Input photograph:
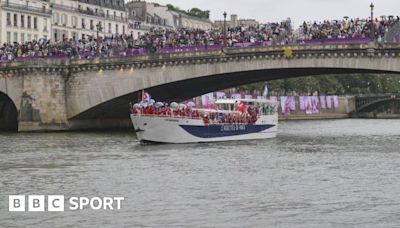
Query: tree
[[350, 84]]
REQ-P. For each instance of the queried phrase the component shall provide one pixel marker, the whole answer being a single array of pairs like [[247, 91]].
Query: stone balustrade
[[204, 56]]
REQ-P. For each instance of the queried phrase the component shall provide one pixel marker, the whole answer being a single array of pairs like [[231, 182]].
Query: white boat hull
[[185, 130]]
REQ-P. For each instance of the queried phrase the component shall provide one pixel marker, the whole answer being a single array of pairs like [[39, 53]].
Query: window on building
[[55, 34], [35, 37], [122, 16], [45, 24], [123, 29], [9, 19], [15, 20], [35, 25], [74, 21], [9, 37], [56, 18], [83, 23], [15, 37], [108, 13], [64, 19], [109, 28], [116, 28], [29, 22], [22, 37], [29, 37], [115, 14], [91, 25], [22, 21]]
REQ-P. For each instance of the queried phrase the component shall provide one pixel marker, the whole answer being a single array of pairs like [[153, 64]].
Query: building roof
[[113, 4]]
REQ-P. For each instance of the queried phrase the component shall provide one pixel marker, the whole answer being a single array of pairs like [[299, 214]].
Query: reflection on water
[[315, 173]]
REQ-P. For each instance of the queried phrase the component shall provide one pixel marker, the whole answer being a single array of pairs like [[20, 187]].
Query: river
[[332, 173]]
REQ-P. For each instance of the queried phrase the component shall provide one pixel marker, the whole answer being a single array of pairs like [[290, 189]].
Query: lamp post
[[372, 22], [98, 28], [225, 42]]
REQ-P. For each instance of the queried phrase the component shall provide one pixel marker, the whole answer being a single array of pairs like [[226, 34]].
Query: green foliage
[[196, 12], [175, 8], [199, 13], [331, 84]]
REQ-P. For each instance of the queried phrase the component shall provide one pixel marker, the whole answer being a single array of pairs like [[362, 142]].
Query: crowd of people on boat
[[158, 38], [243, 114]]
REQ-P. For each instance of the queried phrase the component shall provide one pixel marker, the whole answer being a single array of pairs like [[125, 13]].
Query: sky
[[297, 10]]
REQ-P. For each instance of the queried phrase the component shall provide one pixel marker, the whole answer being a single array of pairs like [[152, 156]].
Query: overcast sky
[[298, 10]]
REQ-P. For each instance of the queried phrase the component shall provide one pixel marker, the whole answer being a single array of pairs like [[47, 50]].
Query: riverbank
[[346, 105]]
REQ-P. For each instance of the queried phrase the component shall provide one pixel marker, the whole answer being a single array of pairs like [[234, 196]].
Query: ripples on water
[[314, 174]]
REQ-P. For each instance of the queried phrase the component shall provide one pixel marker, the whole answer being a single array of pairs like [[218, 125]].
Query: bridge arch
[[376, 103], [8, 114], [186, 88]]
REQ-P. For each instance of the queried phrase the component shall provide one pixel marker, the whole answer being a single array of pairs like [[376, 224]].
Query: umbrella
[[159, 104], [174, 105], [191, 104]]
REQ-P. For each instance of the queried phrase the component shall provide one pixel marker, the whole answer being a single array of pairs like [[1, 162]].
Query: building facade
[[88, 18], [236, 22], [146, 15], [22, 21], [26, 20], [157, 16], [193, 22], [65, 20]]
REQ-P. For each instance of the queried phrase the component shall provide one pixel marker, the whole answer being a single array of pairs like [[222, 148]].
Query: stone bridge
[[79, 94]]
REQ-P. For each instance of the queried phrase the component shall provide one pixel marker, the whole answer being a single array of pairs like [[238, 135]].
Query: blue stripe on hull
[[214, 131]]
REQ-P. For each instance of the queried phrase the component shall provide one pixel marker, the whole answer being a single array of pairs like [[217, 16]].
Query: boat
[[227, 120]]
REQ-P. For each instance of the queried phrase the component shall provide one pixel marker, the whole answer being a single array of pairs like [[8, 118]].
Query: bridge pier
[[394, 107], [43, 103]]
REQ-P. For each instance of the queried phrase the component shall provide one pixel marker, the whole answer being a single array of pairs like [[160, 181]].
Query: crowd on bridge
[[157, 39], [345, 28], [106, 47]]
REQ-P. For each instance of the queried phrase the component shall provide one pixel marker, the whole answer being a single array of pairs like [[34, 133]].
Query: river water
[[336, 173]]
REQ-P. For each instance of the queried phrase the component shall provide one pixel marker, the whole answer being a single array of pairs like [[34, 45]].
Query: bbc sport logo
[[57, 203]]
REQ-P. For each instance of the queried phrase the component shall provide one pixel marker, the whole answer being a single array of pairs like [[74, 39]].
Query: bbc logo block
[[16, 203], [35, 203]]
